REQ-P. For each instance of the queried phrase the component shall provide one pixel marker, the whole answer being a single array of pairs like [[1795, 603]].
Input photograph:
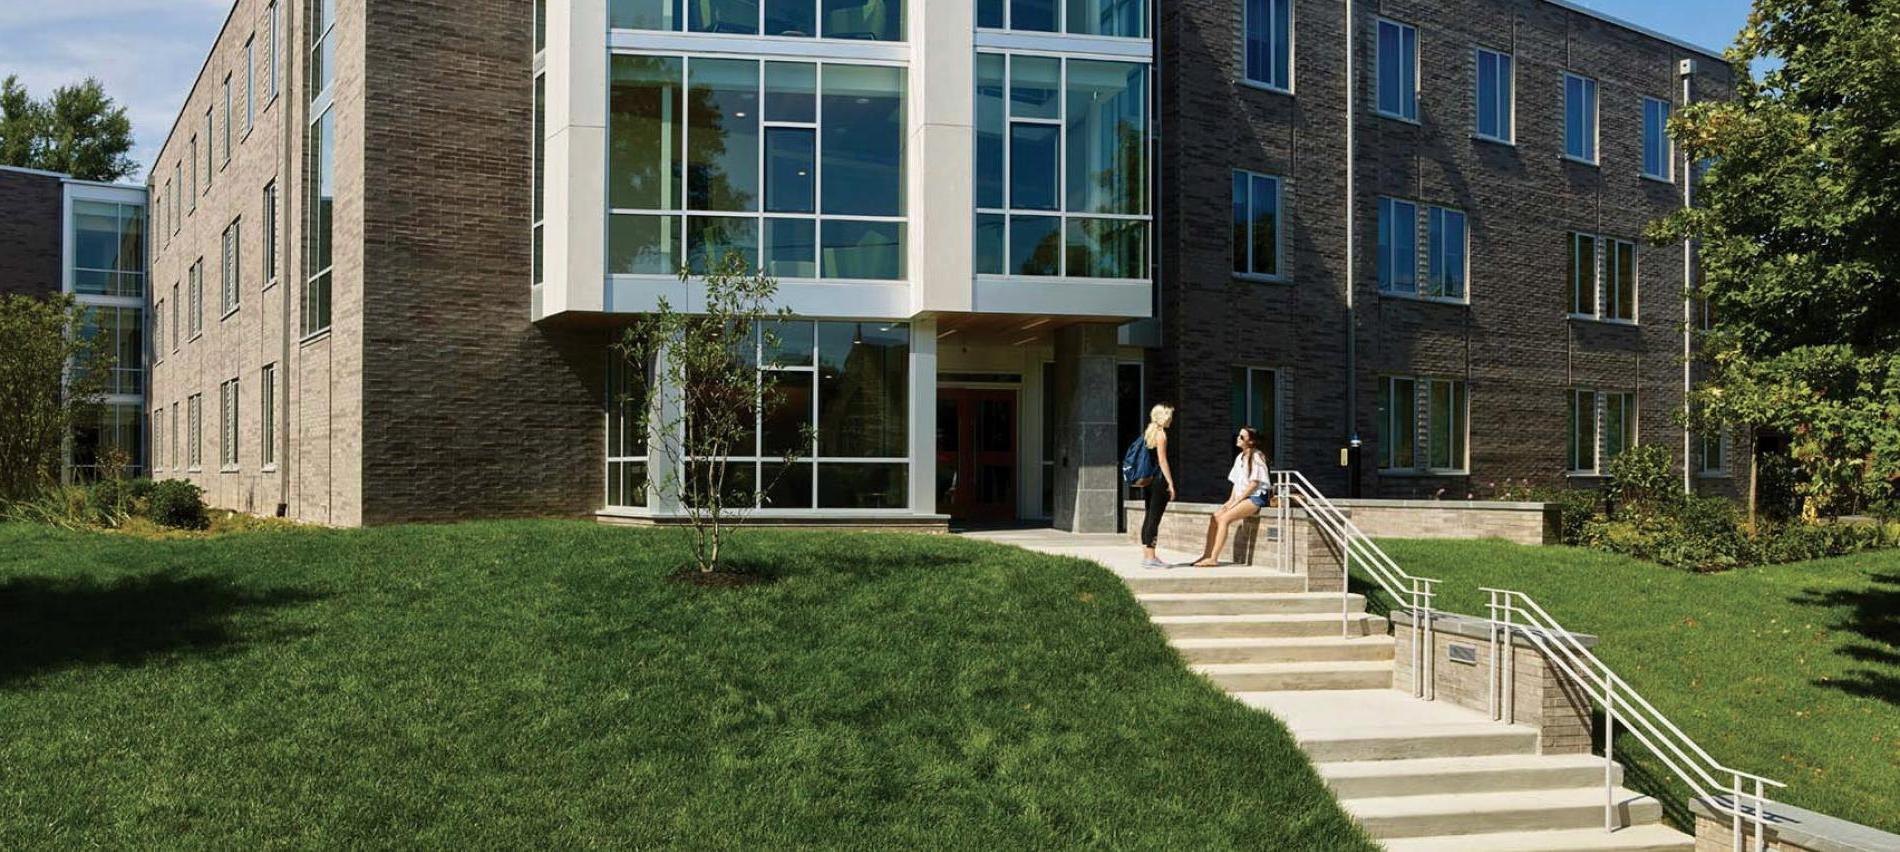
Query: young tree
[[78, 130], [702, 395], [51, 376], [1800, 255]]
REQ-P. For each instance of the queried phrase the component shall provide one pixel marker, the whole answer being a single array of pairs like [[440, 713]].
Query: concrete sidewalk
[[1117, 552]]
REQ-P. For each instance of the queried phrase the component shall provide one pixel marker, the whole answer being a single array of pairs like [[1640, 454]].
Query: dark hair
[[1253, 447]]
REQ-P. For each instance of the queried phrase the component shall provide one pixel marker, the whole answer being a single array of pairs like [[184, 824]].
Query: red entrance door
[[976, 454]]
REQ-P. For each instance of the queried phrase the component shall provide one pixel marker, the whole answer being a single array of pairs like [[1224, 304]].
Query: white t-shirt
[[1240, 475]]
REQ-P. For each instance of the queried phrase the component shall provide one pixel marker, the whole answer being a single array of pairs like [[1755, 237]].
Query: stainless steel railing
[[1516, 614]]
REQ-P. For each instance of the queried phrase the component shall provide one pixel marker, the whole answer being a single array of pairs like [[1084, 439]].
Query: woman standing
[[1159, 493], [1250, 476]]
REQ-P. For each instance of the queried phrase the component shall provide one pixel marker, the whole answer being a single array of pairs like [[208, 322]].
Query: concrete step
[[1483, 813], [1642, 838], [1400, 741], [1299, 649], [1274, 677], [1485, 774], [1194, 581], [1268, 626], [1249, 603]]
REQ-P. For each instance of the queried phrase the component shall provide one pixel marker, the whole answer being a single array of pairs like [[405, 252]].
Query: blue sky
[[147, 52]]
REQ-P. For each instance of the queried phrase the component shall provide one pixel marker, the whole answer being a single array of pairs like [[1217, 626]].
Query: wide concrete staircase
[[1419, 775]]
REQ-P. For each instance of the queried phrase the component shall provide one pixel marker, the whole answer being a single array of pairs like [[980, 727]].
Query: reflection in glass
[[1107, 124], [863, 486], [1035, 84], [989, 13], [1125, 18], [786, 486], [723, 118], [644, 14], [1107, 248], [789, 157], [990, 121], [989, 243], [643, 245], [1037, 15], [738, 17], [860, 249], [789, 18], [879, 20], [1035, 245], [786, 420], [791, 248], [788, 343], [863, 397], [791, 91], [644, 128], [710, 238], [1034, 160], [863, 140]]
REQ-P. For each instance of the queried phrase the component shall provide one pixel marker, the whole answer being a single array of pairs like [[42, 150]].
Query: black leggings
[[1151, 518]]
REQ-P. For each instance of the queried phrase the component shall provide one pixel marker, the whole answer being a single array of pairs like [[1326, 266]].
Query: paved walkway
[[1115, 551]]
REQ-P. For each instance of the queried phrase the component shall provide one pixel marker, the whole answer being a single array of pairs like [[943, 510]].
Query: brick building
[[59, 234], [393, 242]]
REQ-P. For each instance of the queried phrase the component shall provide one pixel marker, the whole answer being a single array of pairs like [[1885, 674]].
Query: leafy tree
[[51, 377], [1800, 253], [79, 130], [699, 403]]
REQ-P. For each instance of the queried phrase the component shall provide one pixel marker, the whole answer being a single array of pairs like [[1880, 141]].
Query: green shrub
[[1643, 480], [1575, 506], [65, 506], [178, 504]]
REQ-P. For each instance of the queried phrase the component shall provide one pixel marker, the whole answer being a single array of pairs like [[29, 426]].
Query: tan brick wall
[[1254, 541], [1543, 697], [1719, 836], [1523, 523]]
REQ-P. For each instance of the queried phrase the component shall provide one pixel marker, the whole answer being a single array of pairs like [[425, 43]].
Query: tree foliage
[[1796, 229], [40, 342], [699, 404], [78, 130]]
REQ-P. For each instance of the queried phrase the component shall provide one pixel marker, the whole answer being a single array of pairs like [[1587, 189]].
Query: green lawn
[[542, 684], [1789, 671]]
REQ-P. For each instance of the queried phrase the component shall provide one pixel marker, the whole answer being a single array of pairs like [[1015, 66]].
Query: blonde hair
[[1159, 419]]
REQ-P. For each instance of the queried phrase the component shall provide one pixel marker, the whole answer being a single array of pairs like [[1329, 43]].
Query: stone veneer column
[[1088, 478]]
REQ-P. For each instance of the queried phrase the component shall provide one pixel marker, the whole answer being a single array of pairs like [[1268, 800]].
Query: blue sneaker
[[1155, 565]]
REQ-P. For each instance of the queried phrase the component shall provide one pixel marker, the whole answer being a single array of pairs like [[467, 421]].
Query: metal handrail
[[1688, 760], [1412, 592]]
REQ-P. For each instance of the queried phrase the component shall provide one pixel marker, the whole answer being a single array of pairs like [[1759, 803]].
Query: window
[[1255, 402], [194, 174], [267, 235], [158, 330], [1608, 414], [1269, 43], [314, 314], [876, 20], [103, 428], [108, 249], [194, 281], [270, 51], [211, 145], [1439, 405], [1580, 118], [1497, 97], [842, 404], [267, 418], [1446, 249], [124, 331], [537, 185], [194, 415], [626, 436], [322, 65], [175, 309], [1712, 455], [250, 83], [1398, 247], [177, 437], [229, 280], [178, 178], [1398, 70], [1062, 167], [1256, 225], [1120, 18], [540, 25], [1659, 160], [158, 438], [1605, 290], [228, 425], [801, 199], [227, 119]]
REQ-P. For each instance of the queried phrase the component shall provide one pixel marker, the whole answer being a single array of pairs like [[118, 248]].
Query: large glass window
[[1497, 96], [1602, 277], [1581, 274], [1256, 225], [1582, 444], [1398, 246], [1580, 118], [124, 331], [229, 289], [318, 221], [1398, 70], [1121, 18], [106, 427], [1269, 43], [1062, 167], [228, 425], [1446, 246], [537, 186], [877, 20], [1658, 152], [1439, 405], [108, 249], [715, 155], [322, 48], [626, 432]]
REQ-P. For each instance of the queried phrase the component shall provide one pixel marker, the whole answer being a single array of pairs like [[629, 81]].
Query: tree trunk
[[1754, 478]]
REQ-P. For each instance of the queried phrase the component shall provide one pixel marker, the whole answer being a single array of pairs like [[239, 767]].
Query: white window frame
[[1508, 103], [194, 419], [1599, 419], [1406, 99], [1421, 411], [228, 426], [1434, 254], [270, 51], [196, 291], [211, 147], [1720, 469], [230, 284], [267, 235], [1602, 279], [1593, 117], [1667, 156], [250, 84], [267, 419], [227, 122], [1276, 429], [1389, 208], [158, 439], [1292, 45], [1278, 275]]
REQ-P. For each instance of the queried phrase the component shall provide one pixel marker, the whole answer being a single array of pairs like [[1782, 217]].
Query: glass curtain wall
[[108, 249], [796, 166], [872, 20], [320, 170], [1062, 167], [1122, 18]]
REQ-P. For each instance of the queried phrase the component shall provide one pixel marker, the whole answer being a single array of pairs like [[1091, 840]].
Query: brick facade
[[1512, 344], [1543, 697], [30, 220]]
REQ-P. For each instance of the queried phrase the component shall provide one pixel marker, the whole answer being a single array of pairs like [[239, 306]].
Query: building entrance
[[976, 454]]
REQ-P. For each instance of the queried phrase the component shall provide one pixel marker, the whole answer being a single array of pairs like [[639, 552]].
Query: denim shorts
[[1260, 500]]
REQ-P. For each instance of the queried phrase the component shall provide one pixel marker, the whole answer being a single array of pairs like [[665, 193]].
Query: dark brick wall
[[470, 410], [30, 220], [1512, 344]]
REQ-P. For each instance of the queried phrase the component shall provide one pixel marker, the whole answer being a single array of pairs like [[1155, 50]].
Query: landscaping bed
[[545, 684], [1789, 671]]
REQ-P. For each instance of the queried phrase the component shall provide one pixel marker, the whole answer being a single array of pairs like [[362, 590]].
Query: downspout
[[283, 221], [1352, 336], [1686, 70]]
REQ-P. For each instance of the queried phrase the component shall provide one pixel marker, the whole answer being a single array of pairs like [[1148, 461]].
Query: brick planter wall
[[1790, 829], [1255, 541], [1523, 523], [1545, 698]]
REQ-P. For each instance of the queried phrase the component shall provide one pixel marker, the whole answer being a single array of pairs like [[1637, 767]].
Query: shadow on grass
[[51, 624], [1872, 613]]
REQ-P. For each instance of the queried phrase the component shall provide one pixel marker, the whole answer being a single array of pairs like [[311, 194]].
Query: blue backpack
[[1138, 464]]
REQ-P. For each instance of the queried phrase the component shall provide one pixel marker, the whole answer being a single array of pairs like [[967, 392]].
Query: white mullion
[[813, 447], [818, 197], [1062, 152], [1009, 147], [758, 218]]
